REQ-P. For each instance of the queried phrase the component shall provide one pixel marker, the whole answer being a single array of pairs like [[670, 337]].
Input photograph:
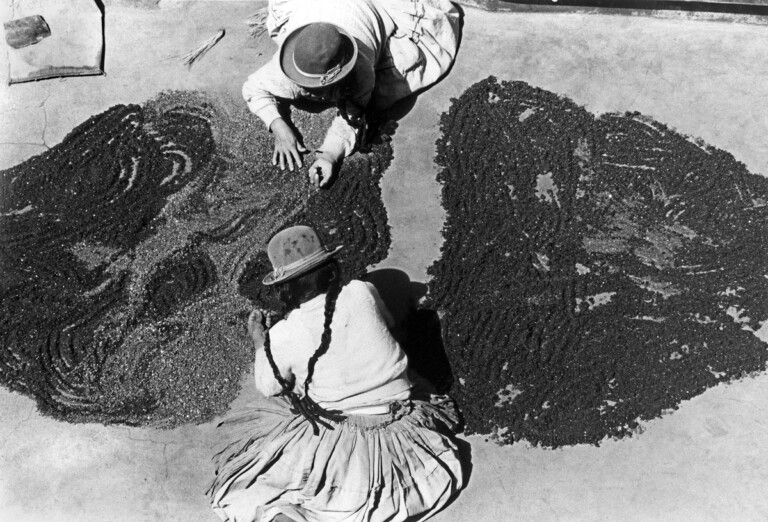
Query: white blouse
[[364, 365]]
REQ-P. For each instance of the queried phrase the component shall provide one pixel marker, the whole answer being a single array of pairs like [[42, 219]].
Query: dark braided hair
[[326, 276], [325, 339]]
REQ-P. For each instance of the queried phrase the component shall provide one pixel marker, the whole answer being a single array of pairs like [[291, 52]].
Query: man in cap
[[357, 54]]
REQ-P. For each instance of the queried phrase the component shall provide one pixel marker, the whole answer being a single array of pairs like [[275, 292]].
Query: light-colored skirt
[[399, 466]]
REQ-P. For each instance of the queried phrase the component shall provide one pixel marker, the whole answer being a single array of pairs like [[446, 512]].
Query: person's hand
[[321, 171], [258, 322], [288, 150]]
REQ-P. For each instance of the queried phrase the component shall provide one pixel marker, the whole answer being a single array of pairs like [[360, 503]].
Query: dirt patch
[[126, 252], [595, 271]]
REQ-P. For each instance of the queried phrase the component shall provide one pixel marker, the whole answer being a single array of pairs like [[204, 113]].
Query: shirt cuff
[[340, 140], [268, 114]]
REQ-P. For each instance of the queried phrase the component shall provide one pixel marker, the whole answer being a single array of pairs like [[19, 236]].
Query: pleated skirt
[[395, 467]]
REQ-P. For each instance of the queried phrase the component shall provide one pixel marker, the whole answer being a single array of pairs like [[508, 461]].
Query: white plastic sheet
[[75, 47]]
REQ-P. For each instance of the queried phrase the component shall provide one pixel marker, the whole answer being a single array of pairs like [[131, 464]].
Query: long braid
[[325, 340], [284, 384], [313, 411], [305, 406], [297, 404]]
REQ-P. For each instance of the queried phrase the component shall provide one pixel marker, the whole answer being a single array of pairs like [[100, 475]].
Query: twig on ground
[[194, 55]]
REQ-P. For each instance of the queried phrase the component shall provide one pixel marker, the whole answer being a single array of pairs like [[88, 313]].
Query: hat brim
[[312, 82], [273, 279]]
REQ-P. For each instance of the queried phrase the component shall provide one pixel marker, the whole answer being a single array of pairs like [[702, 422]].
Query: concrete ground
[[704, 77]]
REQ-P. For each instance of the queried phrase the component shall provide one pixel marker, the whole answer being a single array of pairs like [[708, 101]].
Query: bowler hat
[[317, 55], [295, 251]]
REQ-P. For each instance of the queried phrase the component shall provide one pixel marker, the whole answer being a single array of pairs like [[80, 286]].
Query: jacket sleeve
[[263, 88], [264, 377], [341, 139], [381, 306]]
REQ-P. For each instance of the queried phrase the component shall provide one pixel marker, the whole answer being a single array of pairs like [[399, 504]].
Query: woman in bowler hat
[[357, 54], [345, 432]]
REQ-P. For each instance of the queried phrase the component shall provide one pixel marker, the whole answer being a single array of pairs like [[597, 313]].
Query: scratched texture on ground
[[596, 271], [129, 254]]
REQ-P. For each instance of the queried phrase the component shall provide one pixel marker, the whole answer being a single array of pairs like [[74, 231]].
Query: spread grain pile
[[596, 271], [130, 254]]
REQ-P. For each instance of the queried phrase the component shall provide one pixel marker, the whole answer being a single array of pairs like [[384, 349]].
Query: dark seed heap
[[123, 251], [350, 213], [595, 271]]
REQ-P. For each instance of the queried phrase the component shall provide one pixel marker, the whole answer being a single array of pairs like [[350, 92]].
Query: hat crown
[[292, 245], [319, 48], [317, 55], [295, 251]]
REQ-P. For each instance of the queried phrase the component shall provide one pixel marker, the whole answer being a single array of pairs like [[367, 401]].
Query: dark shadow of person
[[419, 332], [417, 329]]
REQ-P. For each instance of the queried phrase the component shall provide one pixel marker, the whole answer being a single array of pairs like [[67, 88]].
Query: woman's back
[[364, 365]]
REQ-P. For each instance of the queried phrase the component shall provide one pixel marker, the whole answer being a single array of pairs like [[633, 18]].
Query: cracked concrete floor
[[705, 461]]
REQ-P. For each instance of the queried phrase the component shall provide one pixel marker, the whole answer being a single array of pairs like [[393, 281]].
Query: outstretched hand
[[288, 149]]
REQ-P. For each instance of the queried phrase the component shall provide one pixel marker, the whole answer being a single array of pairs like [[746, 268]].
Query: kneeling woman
[[342, 434]]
